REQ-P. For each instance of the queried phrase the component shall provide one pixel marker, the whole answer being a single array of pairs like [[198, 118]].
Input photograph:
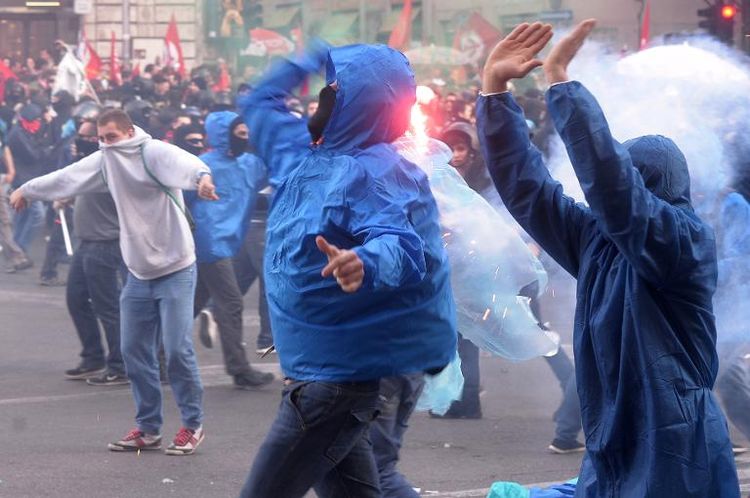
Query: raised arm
[[516, 166], [660, 240], [279, 137]]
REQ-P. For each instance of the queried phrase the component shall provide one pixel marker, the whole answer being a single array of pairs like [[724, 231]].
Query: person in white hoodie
[[145, 178]]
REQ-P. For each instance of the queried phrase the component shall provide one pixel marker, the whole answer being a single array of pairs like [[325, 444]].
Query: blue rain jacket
[[360, 194], [731, 300], [645, 264], [220, 226]]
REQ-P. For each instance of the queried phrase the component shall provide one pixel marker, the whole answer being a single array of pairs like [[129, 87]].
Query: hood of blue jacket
[[663, 168], [218, 129], [376, 91]]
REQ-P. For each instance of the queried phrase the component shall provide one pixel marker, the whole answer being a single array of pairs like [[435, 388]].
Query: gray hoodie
[[154, 234]]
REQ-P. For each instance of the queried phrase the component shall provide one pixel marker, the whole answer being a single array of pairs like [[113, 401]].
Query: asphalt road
[[54, 431]]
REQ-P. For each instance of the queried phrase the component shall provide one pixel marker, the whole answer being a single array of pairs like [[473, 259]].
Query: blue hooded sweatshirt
[[220, 226], [644, 337], [360, 194]]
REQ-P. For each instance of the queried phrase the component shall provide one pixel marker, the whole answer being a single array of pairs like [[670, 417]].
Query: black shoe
[[560, 447], [457, 411], [108, 379], [253, 378], [83, 373], [52, 282]]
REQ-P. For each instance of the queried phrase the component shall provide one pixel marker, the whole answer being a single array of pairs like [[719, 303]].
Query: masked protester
[[191, 138], [646, 267], [357, 279], [31, 148], [221, 227], [97, 274], [146, 178]]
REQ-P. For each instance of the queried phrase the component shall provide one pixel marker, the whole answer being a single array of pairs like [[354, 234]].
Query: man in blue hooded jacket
[[644, 338], [221, 227], [349, 207]]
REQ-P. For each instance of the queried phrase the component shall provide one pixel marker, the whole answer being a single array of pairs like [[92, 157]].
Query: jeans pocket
[[313, 401]]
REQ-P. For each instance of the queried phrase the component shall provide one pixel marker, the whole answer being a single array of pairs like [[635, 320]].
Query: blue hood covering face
[[376, 91], [218, 129], [663, 168]]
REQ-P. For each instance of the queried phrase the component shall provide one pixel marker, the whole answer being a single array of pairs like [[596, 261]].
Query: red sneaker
[[186, 441], [137, 440]]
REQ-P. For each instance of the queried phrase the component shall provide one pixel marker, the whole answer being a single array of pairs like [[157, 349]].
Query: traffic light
[[718, 20], [725, 23]]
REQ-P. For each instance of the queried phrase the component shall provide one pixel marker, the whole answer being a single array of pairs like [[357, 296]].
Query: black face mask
[[86, 147], [318, 121], [237, 145], [195, 150]]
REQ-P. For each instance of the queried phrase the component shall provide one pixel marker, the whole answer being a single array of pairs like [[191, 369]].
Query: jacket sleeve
[[174, 167], [655, 237], [386, 241], [530, 194], [279, 137], [82, 177]]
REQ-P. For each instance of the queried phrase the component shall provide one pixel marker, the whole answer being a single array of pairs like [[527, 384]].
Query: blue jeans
[[568, 415], [320, 439], [396, 403], [146, 307], [93, 292], [733, 387], [27, 223]]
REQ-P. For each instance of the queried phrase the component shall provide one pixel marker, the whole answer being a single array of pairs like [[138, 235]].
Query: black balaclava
[[85, 147], [182, 132], [237, 145], [318, 121]]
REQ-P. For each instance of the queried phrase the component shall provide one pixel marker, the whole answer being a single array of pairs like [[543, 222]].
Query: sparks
[[486, 314]]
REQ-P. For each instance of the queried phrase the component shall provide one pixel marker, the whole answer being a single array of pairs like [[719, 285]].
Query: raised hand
[[515, 56], [556, 65], [343, 264]]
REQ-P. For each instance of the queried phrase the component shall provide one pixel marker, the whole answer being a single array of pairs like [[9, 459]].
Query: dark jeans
[[55, 252], [733, 387], [96, 275], [396, 403], [248, 266], [217, 281], [469, 354], [568, 415], [319, 439]]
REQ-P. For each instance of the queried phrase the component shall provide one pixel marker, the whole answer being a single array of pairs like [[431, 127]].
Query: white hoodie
[[154, 234]]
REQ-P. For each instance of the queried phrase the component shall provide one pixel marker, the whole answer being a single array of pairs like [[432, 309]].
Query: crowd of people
[[181, 195]]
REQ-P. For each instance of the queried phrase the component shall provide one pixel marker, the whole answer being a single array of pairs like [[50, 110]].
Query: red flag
[[173, 49], [5, 74], [136, 71], [91, 60], [225, 81], [476, 37], [115, 76], [645, 25], [401, 34]]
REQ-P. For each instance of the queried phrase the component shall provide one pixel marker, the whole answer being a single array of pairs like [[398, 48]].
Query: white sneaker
[[186, 441], [137, 440], [208, 331]]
